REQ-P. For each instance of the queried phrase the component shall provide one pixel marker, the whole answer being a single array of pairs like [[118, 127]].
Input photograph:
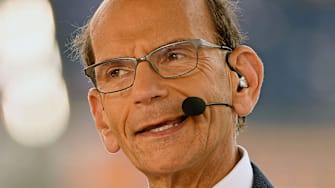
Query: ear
[[101, 121], [245, 62]]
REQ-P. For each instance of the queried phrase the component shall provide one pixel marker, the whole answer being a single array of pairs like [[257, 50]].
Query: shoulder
[[259, 180]]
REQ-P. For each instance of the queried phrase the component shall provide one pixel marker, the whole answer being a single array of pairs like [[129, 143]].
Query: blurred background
[[48, 138]]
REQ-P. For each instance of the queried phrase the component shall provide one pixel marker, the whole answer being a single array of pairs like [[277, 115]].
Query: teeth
[[163, 128]]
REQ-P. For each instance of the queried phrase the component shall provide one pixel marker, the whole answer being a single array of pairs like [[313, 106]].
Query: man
[[145, 57]]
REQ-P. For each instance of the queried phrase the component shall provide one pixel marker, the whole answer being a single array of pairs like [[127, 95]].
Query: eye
[[175, 56], [117, 73]]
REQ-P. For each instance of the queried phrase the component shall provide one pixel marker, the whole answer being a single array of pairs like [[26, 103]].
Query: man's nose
[[148, 85]]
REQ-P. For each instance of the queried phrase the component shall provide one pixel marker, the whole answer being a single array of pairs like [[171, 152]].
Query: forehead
[[120, 24]]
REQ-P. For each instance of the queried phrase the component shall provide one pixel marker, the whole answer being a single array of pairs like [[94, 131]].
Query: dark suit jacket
[[260, 181]]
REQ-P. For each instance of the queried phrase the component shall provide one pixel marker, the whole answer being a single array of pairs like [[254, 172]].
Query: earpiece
[[243, 83]]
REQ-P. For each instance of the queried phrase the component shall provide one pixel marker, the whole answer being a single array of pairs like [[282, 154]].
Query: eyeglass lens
[[168, 61]]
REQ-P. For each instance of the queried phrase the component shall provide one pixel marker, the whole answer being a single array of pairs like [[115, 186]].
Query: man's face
[[146, 119]]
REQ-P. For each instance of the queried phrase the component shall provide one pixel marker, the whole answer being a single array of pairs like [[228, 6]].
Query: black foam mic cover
[[193, 106]]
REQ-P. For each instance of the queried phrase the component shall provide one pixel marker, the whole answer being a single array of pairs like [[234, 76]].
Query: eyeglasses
[[169, 61]]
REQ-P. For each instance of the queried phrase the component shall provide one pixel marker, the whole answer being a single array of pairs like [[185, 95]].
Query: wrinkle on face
[[127, 28], [146, 27]]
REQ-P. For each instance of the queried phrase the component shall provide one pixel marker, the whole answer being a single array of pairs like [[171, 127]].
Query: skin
[[202, 149]]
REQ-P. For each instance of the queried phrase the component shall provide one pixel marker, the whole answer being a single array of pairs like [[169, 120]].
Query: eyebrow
[[166, 43], [173, 41]]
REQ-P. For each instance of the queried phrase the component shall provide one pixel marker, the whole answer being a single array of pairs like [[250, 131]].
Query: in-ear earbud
[[243, 82]]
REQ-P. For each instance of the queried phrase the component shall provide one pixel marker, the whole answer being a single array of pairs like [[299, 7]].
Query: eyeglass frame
[[90, 73]]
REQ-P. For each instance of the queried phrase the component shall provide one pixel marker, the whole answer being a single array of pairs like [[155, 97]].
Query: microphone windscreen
[[193, 106]]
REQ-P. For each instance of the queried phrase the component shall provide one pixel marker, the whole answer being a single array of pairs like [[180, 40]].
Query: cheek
[[116, 110], [222, 86], [209, 82], [212, 77]]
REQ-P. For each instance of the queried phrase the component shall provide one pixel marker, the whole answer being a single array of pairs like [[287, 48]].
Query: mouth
[[162, 127]]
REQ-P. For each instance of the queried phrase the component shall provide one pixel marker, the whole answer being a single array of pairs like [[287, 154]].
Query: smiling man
[[145, 57]]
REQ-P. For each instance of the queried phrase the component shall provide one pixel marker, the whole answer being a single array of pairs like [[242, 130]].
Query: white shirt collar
[[241, 176]]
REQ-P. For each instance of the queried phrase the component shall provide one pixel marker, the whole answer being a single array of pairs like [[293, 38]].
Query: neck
[[206, 173]]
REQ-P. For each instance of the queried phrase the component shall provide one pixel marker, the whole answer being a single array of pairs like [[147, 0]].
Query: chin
[[164, 168], [160, 165]]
